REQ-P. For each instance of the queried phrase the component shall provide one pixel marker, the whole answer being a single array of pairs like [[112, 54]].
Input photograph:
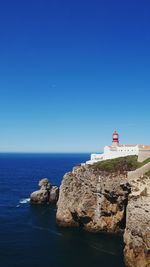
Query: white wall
[[96, 156], [118, 154], [114, 152]]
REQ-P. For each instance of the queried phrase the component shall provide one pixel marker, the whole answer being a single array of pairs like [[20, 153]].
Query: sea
[[29, 235]]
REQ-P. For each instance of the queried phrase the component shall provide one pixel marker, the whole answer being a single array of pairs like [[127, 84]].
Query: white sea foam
[[24, 200]]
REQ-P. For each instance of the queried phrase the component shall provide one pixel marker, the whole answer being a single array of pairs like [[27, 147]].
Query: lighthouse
[[115, 139], [117, 150]]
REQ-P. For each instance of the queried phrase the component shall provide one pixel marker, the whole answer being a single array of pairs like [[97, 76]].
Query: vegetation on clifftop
[[122, 164]]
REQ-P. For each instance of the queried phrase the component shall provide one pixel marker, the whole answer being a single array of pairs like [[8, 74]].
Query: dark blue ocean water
[[29, 236]]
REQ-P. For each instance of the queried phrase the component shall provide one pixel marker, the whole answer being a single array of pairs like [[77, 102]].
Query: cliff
[[137, 231], [111, 197], [94, 198]]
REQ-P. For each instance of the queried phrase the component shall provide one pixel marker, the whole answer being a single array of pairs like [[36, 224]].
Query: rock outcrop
[[95, 200], [137, 232], [100, 200], [46, 194]]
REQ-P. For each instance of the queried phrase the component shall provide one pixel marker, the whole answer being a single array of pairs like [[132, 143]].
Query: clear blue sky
[[73, 71]]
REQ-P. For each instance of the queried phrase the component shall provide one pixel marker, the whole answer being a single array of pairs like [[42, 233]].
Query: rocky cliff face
[[111, 202], [137, 232], [94, 200]]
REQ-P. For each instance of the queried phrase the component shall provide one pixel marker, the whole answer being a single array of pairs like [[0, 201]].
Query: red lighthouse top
[[115, 138]]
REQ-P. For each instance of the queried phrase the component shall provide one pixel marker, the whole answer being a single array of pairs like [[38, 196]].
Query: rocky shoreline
[[102, 201]]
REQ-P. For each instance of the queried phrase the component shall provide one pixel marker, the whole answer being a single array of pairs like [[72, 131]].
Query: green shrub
[[122, 164]]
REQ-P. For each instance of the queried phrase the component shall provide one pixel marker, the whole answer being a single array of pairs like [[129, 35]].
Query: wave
[[24, 200]]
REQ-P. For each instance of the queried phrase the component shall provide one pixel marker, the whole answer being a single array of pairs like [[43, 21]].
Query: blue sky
[[73, 71]]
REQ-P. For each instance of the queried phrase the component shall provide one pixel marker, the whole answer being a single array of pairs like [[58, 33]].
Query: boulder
[[45, 184], [39, 196], [46, 194]]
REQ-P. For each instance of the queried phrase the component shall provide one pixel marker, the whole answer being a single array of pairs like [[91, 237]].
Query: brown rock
[[95, 200], [46, 194], [137, 232], [45, 184], [101, 201], [39, 197], [54, 193]]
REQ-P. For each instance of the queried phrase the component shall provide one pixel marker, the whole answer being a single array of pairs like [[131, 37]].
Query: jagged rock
[[46, 194], [93, 199], [144, 192], [137, 232], [111, 202], [40, 196], [54, 193], [45, 184]]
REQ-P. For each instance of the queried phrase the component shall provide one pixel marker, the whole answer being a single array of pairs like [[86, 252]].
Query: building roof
[[122, 146], [144, 146], [127, 145]]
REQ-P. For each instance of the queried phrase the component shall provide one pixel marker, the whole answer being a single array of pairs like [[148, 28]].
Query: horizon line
[[39, 152]]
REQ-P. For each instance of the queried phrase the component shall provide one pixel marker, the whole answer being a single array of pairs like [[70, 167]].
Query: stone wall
[[137, 231], [143, 154], [138, 172]]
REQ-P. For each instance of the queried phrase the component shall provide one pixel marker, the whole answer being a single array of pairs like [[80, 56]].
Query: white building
[[116, 150]]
